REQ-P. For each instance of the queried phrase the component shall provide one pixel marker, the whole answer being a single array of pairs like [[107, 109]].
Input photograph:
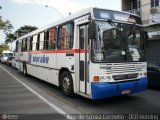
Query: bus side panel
[[24, 57], [31, 70], [67, 61], [43, 66], [45, 74]]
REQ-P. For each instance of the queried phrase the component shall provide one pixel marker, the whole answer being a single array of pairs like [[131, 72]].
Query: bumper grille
[[125, 76]]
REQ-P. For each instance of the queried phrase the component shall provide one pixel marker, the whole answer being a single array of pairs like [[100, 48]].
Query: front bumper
[[105, 90]]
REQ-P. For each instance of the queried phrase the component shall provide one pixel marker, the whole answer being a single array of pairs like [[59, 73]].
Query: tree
[[5, 25], [3, 47], [10, 37], [25, 30]]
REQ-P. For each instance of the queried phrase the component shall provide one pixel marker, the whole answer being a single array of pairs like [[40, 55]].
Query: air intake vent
[[126, 76]]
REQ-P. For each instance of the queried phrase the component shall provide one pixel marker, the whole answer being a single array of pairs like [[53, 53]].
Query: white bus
[[96, 53], [5, 55]]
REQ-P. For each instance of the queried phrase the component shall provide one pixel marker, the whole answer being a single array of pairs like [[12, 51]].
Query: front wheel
[[67, 84]]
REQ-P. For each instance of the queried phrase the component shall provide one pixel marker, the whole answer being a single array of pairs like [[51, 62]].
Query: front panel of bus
[[118, 55]]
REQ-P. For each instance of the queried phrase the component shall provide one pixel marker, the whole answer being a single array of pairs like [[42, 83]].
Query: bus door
[[83, 59]]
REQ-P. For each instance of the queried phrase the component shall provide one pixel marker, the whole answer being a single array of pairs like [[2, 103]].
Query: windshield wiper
[[112, 23], [116, 26]]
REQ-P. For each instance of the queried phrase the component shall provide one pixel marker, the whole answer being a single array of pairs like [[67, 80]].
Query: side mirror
[[91, 30], [146, 37]]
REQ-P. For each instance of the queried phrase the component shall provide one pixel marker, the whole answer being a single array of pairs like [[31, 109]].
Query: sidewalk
[[17, 100]]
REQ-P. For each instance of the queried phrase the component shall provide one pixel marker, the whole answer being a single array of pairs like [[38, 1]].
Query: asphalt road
[[147, 102]]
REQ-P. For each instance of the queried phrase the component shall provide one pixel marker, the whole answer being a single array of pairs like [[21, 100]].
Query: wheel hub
[[66, 84]]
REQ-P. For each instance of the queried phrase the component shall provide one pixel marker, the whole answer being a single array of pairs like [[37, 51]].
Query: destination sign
[[117, 16]]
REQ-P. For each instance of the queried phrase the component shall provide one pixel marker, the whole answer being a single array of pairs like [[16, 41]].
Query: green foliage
[[5, 25], [25, 30], [3, 47], [10, 37]]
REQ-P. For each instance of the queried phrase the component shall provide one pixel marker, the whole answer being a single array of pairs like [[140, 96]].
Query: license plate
[[125, 92]]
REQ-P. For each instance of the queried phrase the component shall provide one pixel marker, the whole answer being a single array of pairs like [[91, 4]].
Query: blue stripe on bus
[[105, 90]]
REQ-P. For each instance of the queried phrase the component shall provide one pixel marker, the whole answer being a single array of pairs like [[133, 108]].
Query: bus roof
[[69, 18]]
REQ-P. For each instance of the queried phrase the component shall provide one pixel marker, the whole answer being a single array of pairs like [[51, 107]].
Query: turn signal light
[[96, 78]]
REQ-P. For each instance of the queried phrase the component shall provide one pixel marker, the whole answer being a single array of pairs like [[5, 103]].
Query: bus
[[96, 53], [5, 55]]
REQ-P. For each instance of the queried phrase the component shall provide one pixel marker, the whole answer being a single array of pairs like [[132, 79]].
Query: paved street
[[16, 98]]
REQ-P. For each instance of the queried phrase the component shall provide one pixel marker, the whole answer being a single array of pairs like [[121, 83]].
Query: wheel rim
[[66, 84]]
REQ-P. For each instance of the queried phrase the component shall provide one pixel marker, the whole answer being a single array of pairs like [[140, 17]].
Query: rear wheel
[[67, 84], [25, 70]]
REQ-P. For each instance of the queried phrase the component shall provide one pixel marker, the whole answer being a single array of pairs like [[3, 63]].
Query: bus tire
[[67, 84], [25, 70]]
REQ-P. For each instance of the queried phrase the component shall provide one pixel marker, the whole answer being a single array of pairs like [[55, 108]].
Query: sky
[[34, 12]]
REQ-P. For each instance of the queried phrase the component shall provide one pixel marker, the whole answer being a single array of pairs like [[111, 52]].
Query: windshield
[[118, 42], [8, 54]]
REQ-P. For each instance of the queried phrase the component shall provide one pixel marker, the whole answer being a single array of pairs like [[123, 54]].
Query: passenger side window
[[17, 44], [46, 39], [24, 45], [31, 39], [38, 42], [41, 43], [65, 36], [52, 38], [34, 43], [28, 44]]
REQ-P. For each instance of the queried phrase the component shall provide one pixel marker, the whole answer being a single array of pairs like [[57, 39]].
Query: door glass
[[82, 38], [82, 46]]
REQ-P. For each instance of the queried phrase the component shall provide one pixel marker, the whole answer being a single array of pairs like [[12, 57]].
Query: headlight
[[102, 79], [108, 78], [142, 74]]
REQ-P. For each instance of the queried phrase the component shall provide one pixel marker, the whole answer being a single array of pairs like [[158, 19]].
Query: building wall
[[145, 12], [149, 15], [151, 20]]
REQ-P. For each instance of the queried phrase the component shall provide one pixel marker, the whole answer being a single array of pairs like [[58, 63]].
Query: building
[[149, 10]]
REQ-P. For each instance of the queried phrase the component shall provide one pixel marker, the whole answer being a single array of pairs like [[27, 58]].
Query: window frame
[[17, 44], [34, 43], [53, 47], [24, 45], [46, 37], [41, 48], [71, 36], [28, 44], [155, 3]]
